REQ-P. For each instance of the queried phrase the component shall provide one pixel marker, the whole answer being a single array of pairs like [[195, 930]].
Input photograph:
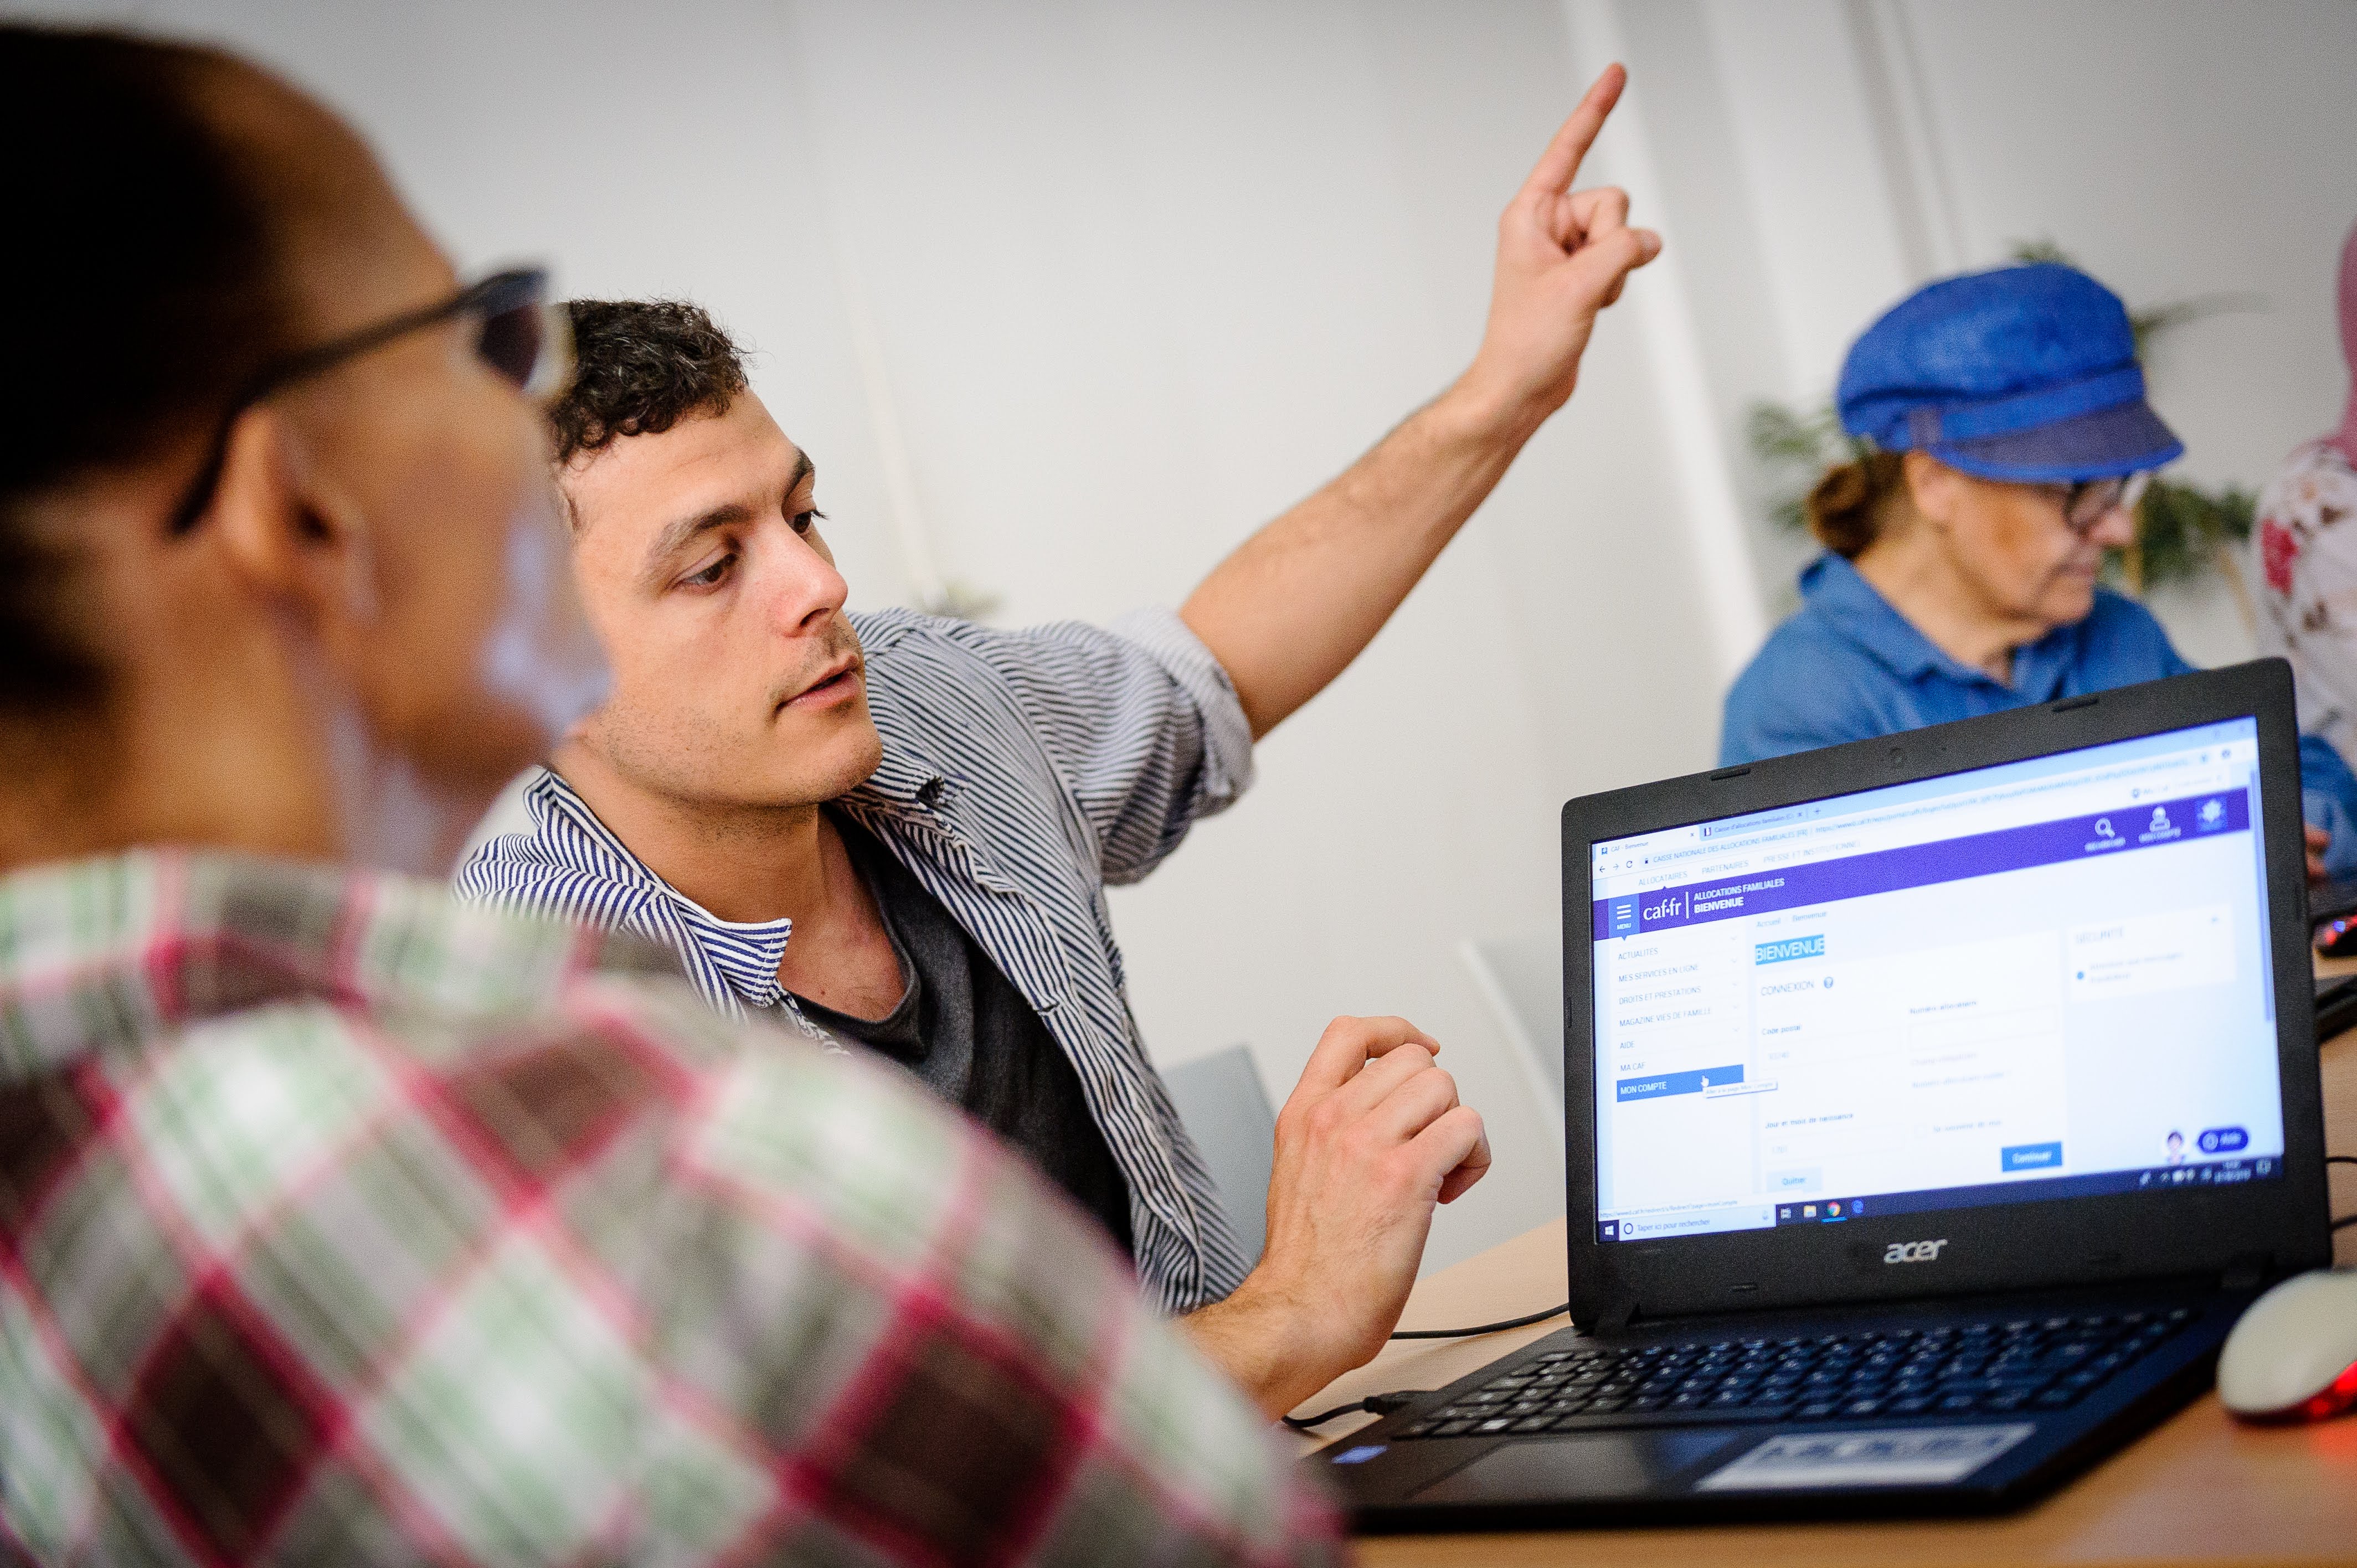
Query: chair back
[[1220, 1098]]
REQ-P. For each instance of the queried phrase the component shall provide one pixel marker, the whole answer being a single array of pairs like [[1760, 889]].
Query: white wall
[[1068, 296]]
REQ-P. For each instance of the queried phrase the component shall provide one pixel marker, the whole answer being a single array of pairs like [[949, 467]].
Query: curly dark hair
[[641, 366]]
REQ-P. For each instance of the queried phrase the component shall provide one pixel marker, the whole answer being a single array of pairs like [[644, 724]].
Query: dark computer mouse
[[2337, 938]]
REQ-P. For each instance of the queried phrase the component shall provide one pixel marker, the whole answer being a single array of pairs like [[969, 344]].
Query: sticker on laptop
[[1917, 1456]]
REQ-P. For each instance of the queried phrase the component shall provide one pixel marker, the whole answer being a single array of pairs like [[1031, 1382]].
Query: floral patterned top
[[2306, 543]]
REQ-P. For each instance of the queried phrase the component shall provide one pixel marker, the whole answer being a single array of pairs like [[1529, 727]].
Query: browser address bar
[[1941, 804], [1728, 846], [2087, 794]]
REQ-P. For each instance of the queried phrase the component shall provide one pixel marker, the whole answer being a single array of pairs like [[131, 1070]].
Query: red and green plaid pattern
[[341, 1223]]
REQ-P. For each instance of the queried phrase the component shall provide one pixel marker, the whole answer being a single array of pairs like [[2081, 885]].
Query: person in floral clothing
[[2307, 547]]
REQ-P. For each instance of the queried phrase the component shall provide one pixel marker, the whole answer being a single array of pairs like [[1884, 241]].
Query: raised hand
[[1289, 609], [1563, 256]]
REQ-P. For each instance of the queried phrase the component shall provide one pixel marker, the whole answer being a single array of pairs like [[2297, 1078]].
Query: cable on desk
[[1374, 1404], [1482, 1327], [1384, 1404]]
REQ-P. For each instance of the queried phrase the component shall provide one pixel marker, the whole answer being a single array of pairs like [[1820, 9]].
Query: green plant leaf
[[2044, 249], [1798, 445], [2180, 528]]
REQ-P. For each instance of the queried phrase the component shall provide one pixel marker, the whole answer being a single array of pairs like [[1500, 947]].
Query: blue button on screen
[[2030, 1156], [2223, 1139], [1693, 1082]]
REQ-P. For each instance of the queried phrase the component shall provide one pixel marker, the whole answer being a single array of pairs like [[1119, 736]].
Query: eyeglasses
[[2089, 502], [527, 341]]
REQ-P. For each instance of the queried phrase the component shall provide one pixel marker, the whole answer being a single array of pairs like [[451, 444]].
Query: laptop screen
[[2040, 981]]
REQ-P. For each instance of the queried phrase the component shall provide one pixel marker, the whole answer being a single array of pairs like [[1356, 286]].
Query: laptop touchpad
[[1575, 1470]]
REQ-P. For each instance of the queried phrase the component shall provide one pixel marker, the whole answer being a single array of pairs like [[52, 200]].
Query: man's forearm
[[1298, 601], [1252, 1341]]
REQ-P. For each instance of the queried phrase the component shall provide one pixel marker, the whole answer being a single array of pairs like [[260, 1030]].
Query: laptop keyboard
[[1996, 1368]]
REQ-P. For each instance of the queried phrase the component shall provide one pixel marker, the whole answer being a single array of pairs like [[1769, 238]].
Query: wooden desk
[[2201, 1488]]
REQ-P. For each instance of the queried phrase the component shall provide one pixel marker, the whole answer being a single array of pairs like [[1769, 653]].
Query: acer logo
[[1914, 1252]]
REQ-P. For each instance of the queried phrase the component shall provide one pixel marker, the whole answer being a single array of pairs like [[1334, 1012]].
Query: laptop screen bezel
[[2278, 1226]]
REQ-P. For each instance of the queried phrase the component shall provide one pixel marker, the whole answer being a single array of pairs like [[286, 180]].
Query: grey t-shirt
[[964, 1030]]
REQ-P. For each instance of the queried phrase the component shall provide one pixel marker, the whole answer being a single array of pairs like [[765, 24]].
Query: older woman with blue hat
[[2008, 442]]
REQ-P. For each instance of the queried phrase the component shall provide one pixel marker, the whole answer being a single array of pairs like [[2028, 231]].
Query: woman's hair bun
[[1845, 507]]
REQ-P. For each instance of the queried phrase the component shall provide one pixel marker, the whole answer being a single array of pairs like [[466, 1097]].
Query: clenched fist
[[1370, 1140]]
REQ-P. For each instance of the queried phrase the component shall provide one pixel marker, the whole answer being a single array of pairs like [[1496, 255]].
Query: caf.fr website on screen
[[2042, 979]]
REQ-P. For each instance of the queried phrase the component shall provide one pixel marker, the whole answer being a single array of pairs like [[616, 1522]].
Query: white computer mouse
[[2293, 1356]]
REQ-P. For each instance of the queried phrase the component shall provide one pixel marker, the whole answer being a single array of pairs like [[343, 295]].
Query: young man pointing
[[894, 831]]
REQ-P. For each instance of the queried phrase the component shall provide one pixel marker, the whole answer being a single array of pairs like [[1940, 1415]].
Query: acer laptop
[[1935, 1105]]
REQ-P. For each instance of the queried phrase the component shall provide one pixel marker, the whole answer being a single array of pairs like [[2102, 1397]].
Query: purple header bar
[[1922, 864]]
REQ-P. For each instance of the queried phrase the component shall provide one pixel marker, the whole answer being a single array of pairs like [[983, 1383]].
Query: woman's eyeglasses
[[2089, 502], [521, 336]]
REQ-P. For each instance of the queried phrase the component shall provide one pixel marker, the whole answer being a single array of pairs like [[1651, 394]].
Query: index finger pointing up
[[1559, 164]]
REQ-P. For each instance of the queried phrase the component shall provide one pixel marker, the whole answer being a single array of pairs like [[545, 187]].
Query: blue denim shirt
[[1849, 667]]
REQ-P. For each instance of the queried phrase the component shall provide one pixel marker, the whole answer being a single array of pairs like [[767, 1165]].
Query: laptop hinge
[[2246, 1271], [1616, 1319]]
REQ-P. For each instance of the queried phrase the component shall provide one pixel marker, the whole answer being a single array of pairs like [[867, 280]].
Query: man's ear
[[285, 527]]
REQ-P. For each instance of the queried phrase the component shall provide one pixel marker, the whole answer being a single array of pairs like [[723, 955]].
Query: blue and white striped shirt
[[1022, 772]]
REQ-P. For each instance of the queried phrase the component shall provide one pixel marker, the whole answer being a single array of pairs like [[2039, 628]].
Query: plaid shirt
[[341, 1223]]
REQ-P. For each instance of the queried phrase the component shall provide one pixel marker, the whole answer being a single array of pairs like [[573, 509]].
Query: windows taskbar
[[1754, 1216]]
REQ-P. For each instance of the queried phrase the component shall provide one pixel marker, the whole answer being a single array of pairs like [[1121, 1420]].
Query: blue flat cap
[[2026, 374]]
